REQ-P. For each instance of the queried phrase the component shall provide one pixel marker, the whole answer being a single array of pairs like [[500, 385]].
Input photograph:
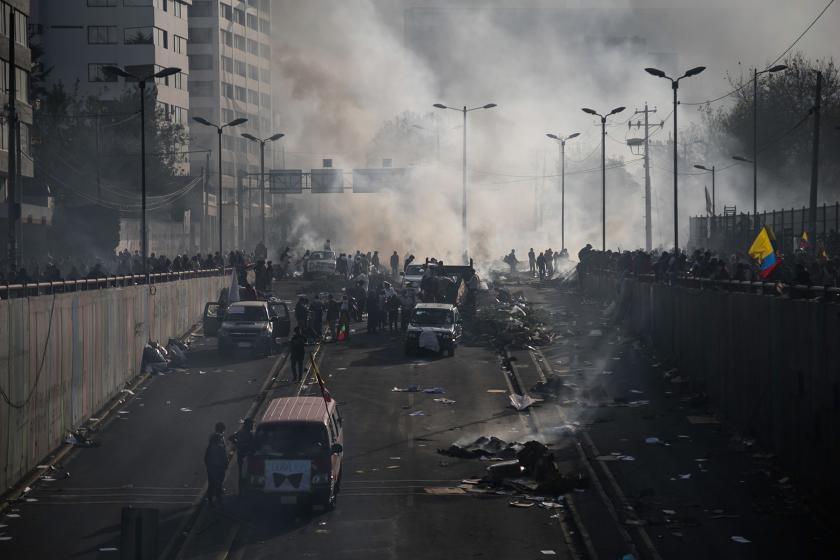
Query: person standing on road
[[541, 265], [215, 461], [297, 352], [333, 309], [407, 303], [301, 312], [372, 311], [344, 313], [243, 441], [549, 262], [316, 314], [395, 264], [532, 262]]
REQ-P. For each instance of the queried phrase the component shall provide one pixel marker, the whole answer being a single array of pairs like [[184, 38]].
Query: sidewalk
[[699, 490]]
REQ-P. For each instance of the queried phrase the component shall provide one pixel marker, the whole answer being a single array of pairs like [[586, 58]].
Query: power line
[[778, 58]]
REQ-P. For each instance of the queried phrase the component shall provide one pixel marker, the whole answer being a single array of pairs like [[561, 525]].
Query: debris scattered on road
[[522, 402], [417, 413], [496, 391], [127, 391], [595, 332], [434, 390], [702, 419], [392, 467], [548, 552], [740, 539], [521, 504], [185, 409], [653, 440], [444, 490], [108, 549], [444, 400], [408, 389]]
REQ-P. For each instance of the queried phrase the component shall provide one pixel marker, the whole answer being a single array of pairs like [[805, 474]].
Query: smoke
[[346, 69]]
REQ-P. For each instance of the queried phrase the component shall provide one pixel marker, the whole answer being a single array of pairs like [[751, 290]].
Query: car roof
[[296, 409], [249, 303], [434, 306]]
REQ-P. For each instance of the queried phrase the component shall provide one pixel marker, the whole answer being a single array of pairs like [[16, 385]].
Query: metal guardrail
[[9, 291], [827, 293]]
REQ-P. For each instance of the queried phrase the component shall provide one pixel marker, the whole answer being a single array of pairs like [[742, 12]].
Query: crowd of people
[[542, 265], [802, 267]]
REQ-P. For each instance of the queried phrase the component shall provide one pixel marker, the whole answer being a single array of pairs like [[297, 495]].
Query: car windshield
[[432, 317], [415, 270], [291, 439], [322, 256], [280, 310], [246, 313]]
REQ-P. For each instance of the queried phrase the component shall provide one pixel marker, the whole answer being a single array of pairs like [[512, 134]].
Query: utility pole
[[12, 196], [205, 219], [647, 125], [812, 210]]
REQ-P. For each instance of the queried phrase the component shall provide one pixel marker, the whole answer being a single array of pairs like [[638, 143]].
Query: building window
[[201, 62], [253, 97], [201, 35], [241, 94], [227, 63], [239, 16], [227, 38], [97, 72], [101, 3], [202, 8], [179, 115], [4, 77], [179, 44], [265, 100], [253, 72], [265, 75], [227, 90], [139, 3], [227, 115], [253, 47], [240, 67], [265, 51], [102, 34], [201, 89], [265, 26], [177, 9], [22, 85], [226, 11], [253, 22], [179, 81], [139, 35], [21, 29], [239, 42]]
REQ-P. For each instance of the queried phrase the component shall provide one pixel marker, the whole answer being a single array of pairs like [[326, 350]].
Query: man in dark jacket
[[333, 309], [395, 264], [243, 441], [316, 316], [373, 311], [297, 351], [215, 460]]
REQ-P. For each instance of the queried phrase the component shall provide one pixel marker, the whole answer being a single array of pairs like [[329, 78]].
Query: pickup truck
[[252, 325]]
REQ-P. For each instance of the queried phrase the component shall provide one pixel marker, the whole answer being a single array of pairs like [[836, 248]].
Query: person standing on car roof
[[297, 351], [395, 264], [215, 461]]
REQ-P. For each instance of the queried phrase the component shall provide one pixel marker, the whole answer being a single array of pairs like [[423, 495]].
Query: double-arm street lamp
[[754, 160], [561, 141], [675, 84], [603, 168], [262, 142], [141, 82], [464, 110], [234, 122]]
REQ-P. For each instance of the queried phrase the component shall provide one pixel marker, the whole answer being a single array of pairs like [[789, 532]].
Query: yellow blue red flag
[[763, 250]]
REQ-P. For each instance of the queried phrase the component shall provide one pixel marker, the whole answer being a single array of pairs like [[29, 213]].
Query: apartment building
[[230, 77], [81, 37]]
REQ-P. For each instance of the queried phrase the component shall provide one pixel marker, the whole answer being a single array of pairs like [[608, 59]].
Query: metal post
[[219, 205], [144, 241], [563, 194], [713, 191], [262, 190], [205, 220], [648, 222], [755, 147], [464, 191], [812, 211], [603, 183], [675, 85]]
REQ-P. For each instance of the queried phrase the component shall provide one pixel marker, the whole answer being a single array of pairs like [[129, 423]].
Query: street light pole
[[561, 142], [465, 231], [603, 169], [756, 74], [262, 142], [234, 122], [675, 84], [141, 83]]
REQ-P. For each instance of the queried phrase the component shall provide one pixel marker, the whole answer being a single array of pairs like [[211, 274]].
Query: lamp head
[[251, 137], [237, 122], [777, 68], [655, 72], [741, 158], [277, 136], [202, 120], [694, 71], [589, 111], [166, 72], [489, 106], [617, 110], [703, 167], [553, 136], [440, 106], [572, 135]]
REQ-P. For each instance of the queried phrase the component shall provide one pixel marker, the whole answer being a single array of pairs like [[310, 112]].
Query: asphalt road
[[386, 508], [150, 455]]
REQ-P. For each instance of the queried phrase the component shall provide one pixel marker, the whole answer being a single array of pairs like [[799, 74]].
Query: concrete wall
[[770, 365], [63, 357]]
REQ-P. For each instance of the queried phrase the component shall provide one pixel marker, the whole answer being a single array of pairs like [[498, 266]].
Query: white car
[[412, 276], [320, 263]]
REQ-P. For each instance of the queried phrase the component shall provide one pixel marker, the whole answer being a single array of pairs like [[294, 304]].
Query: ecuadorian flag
[[763, 250]]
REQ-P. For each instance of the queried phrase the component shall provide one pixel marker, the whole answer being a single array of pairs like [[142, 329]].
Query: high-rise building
[[80, 38], [20, 66], [230, 78]]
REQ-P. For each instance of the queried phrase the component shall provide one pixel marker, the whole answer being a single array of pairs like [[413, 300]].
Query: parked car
[[296, 454], [440, 321], [254, 325]]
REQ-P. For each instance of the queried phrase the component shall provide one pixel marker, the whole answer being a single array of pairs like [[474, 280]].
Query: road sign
[[327, 180], [286, 181], [375, 180]]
